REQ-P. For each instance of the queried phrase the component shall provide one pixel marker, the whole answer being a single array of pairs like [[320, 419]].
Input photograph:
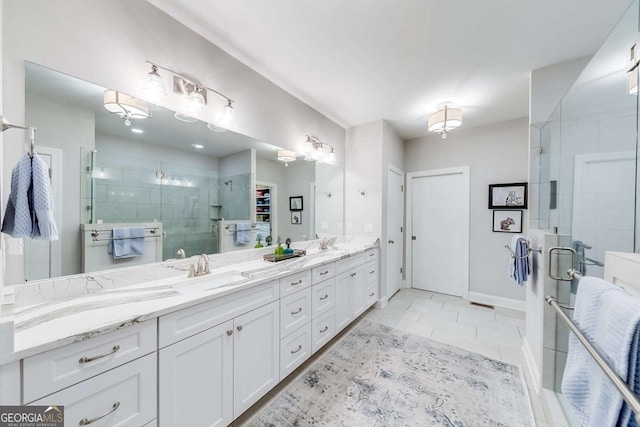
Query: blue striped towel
[[519, 262], [128, 242]]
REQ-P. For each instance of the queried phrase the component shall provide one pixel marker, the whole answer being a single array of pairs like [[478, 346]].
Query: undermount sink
[[209, 283]]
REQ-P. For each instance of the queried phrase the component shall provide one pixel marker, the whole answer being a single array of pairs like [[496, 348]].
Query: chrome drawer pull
[[296, 283], [325, 329], [324, 297], [296, 312], [325, 272], [372, 294], [100, 356], [372, 271], [372, 254], [86, 422], [296, 350]]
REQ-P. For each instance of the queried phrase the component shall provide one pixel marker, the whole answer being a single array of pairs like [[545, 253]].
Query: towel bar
[[232, 227], [32, 132], [627, 394], [529, 250], [95, 234]]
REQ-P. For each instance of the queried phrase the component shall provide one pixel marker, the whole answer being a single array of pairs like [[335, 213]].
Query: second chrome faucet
[[201, 268]]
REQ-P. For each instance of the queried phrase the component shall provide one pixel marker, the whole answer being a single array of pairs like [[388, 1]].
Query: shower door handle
[[574, 256]]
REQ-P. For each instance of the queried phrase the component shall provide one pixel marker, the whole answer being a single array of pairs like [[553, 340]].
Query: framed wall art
[[295, 203], [296, 217], [507, 221], [508, 196]]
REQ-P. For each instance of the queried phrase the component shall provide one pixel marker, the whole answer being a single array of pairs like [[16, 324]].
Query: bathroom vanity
[[147, 346]]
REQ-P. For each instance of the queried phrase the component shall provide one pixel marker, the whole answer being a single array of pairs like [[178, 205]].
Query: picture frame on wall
[[295, 203], [507, 221], [508, 196], [296, 217]]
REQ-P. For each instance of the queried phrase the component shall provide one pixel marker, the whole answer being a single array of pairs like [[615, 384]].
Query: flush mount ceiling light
[[125, 106], [195, 93], [445, 119], [316, 150], [286, 156]]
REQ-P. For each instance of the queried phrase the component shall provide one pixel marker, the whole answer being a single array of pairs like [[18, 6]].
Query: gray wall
[[496, 154]]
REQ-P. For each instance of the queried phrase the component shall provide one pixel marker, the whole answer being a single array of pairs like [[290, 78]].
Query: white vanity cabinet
[[196, 376], [212, 376]]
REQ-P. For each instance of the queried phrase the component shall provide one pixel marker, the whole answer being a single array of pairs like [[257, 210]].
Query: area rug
[[380, 376]]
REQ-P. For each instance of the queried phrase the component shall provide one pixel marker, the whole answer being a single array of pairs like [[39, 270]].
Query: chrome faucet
[[326, 242], [201, 268], [181, 253]]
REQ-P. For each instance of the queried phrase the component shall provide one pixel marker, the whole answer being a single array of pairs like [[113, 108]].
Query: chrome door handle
[[100, 356], [86, 421]]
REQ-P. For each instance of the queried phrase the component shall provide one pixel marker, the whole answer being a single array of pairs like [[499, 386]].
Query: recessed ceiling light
[[136, 130], [197, 146]]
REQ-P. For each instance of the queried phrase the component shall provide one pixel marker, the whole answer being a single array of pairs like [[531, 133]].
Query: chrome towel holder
[[32, 132]]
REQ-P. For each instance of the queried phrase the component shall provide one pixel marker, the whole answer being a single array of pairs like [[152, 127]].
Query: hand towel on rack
[[128, 242], [44, 225], [242, 233], [18, 216], [519, 263], [609, 318]]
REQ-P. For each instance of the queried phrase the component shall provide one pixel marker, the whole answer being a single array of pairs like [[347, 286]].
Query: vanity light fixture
[[286, 156], [445, 119], [125, 106], [196, 94], [153, 85], [316, 150]]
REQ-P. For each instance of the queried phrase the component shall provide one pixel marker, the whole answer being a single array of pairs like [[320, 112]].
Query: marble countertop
[[51, 313]]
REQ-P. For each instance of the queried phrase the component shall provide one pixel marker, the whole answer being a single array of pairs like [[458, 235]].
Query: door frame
[[464, 261], [385, 265]]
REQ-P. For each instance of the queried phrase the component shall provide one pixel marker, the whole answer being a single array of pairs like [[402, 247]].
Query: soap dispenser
[[259, 244], [288, 250], [279, 249]]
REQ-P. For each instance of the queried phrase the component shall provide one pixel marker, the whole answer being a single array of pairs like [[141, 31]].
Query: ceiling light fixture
[[125, 106], [195, 93], [286, 156], [316, 150], [445, 119]]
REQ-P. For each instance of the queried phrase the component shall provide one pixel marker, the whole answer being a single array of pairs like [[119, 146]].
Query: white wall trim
[[532, 367], [464, 256], [495, 300]]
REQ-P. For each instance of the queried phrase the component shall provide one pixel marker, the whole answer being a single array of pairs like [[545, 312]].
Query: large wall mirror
[[185, 185]]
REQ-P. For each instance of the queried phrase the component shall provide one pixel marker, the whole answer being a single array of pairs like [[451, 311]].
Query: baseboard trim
[[532, 367], [494, 300]]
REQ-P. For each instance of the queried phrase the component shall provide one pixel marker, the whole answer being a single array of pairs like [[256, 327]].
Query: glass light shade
[[632, 82], [227, 116], [215, 128], [286, 156], [125, 106], [185, 117], [153, 85], [197, 102], [446, 119], [331, 157]]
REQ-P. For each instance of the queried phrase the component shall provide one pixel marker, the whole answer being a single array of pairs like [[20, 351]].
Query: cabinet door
[[256, 367], [195, 377], [357, 291], [342, 307]]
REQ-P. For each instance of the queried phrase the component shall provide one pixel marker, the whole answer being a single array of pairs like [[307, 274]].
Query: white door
[[395, 216], [342, 309], [440, 231], [603, 205], [42, 259], [195, 376], [256, 367]]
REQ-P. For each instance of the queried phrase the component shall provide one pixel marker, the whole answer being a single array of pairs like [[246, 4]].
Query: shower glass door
[[588, 164]]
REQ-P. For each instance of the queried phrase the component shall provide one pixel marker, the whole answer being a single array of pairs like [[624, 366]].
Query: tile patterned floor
[[495, 333]]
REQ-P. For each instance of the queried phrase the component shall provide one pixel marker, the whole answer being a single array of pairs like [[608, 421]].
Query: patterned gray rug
[[379, 376]]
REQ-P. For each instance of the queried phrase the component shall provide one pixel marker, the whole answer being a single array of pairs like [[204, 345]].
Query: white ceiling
[[357, 61]]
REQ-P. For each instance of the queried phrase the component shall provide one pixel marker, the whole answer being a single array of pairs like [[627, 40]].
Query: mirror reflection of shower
[[229, 183]]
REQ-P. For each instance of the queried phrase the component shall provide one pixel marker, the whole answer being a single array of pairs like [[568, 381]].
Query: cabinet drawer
[[372, 271], [372, 293], [125, 396], [53, 370], [349, 263], [372, 254], [185, 323], [322, 330], [295, 311], [294, 283], [324, 272], [323, 297], [294, 350]]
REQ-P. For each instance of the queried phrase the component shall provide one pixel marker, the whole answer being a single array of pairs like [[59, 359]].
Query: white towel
[[242, 233], [609, 318]]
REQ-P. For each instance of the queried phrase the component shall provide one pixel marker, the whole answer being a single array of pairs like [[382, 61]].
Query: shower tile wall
[[235, 197]]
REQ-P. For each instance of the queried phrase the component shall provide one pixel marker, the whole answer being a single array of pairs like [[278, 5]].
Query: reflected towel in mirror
[[242, 233], [128, 242]]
